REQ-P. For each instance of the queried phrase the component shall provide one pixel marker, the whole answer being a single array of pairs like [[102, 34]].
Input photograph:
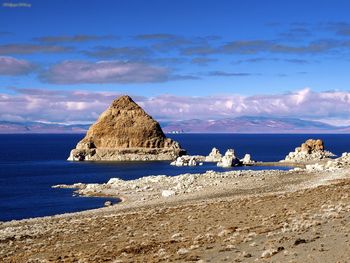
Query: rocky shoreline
[[159, 186], [234, 216], [311, 156]]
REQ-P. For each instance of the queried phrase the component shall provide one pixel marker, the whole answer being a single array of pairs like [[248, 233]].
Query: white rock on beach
[[114, 181], [229, 159], [330, 165], [168, 193], [247, 160], [214, 156], [108, 203], [188, 160], [315, 167]]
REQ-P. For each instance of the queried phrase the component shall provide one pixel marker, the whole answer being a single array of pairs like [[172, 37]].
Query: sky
[[65, 61]]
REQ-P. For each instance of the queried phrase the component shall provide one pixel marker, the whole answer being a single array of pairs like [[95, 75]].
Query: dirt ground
[[265, 225]]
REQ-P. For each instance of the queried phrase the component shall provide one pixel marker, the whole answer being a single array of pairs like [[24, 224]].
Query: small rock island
[[125, 132], [310, 150]]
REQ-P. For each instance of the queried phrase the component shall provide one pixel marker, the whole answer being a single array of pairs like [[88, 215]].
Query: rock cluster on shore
[[228, 160], [188, 160], [162, 186], [310, 150], [125, 132], [156, 186], [330, 165]]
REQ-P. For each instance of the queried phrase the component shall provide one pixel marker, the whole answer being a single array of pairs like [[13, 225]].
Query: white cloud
[[85, 106]]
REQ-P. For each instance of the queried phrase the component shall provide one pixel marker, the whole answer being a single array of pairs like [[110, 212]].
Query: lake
[[31, 163]]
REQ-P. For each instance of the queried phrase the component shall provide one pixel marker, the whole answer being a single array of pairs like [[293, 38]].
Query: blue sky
[[229, 51]]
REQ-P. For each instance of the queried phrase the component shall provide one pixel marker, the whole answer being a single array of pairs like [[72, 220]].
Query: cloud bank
[[75, 72], [13, 67], [252, 47], [73, 38], [31, 49], [82, 106], [118, 52]]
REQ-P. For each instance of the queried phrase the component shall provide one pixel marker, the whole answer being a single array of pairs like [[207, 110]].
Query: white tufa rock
[[115, 181], [187, 160], [214, 156], [182, 251], [247, 160], [229, 159], [168, 193], [108, 203], [330, 165], [315, 167]]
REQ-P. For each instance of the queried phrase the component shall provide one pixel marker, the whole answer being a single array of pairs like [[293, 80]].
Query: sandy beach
[[240, 216]]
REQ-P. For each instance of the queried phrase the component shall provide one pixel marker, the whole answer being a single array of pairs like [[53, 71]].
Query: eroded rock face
[[125, 132], [310, 150], [311, 146]]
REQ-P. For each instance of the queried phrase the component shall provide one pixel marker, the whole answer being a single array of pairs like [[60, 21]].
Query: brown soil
[[309, 225]]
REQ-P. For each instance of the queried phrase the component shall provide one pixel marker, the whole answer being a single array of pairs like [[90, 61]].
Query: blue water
[[31, 164]]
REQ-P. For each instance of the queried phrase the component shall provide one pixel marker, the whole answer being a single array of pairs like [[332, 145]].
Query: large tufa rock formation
[[125, 132], [310, 150]]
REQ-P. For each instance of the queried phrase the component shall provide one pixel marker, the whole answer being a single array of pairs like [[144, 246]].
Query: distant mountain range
[[248, 124], [39, 127], [229, 125]]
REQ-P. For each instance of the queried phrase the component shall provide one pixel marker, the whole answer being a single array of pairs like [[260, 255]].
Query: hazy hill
[[39, 127], [252, 125], [229, 125]]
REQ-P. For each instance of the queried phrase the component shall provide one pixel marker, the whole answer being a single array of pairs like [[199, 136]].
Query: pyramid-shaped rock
[[125, 132]]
